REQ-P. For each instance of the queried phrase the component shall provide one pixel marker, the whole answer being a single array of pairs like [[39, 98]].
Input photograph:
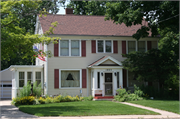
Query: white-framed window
[[29, 77], [104, 46], [131, 46], [70, 78], [70, 48], [64, 47], [141, 46], [154, 44], [21, 79], [38, 77]]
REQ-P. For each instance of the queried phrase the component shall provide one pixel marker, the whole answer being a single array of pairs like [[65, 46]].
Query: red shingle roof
[[87, 25]]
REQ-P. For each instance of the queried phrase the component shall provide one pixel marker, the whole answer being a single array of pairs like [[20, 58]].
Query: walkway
[[11, 112]]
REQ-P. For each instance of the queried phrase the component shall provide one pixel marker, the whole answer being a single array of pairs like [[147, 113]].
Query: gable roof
[[103, 59], [87, 25]]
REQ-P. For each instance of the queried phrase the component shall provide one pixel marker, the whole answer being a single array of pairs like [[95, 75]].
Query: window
[[29, 77], [70, 78], [70, 48], [118, 80], [38, 78], [131, 46], [98, 80], [104, 46], [154, 44], [108, 46], [141, 46], [64, 44], [21, 79], [75, 48], [100, 46]]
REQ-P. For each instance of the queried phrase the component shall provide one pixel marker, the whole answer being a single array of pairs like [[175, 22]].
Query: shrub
[[27, 100], [41, 100], [49, 100], [26, 90], [137, 91], [123, 96], [37, 89]]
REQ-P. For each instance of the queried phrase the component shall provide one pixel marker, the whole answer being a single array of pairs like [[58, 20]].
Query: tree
[[162, 17], [15, 40], [88, 7]]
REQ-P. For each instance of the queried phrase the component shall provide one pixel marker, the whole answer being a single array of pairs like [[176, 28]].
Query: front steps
[[99, 98]]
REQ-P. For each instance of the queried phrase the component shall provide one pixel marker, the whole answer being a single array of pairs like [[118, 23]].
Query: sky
[[62, 10]]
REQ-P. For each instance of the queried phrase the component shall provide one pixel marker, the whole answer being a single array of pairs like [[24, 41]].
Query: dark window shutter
[[124, 78], [149, 45], [56, 49], [83, 48], [93, 46], [115, 46], [123, 47], [56, 78], [83, 78]]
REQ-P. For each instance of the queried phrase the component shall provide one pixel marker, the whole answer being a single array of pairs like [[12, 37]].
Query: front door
[[108, 84]]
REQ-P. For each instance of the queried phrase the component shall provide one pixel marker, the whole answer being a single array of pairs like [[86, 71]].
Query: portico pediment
[[106, 61]]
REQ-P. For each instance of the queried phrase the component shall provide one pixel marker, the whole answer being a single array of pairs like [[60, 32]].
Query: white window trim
[[21, 79], [145, 45], [41, 77], [104, 46], [80, 71], [136, 45], [70, 48]]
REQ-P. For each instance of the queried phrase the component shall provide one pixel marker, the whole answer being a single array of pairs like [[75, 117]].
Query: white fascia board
[[12, 67], [107, 67], [111, 58]]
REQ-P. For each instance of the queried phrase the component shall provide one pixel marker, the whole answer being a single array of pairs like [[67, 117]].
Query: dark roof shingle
[[87, 25]]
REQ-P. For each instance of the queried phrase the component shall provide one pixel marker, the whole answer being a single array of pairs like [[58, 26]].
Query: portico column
[[121, 78]]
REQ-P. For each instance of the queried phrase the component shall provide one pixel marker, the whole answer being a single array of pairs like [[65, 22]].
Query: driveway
[[9, 111]]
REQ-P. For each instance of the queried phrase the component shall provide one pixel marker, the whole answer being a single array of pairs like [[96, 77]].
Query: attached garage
[[5, 88], [5, 84]]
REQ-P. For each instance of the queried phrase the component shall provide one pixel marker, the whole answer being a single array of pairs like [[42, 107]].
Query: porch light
[[115, 73], [101, 73]]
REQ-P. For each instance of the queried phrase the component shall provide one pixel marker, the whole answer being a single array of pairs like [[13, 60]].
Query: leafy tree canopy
[[17, 28], [88, 7], [162, 16]]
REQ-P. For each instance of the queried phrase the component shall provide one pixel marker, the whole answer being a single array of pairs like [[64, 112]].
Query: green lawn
[[168, 105], [84, 108]]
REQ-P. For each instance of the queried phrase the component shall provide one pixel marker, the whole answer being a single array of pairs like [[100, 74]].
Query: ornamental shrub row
[[124, 95], [30, 100]]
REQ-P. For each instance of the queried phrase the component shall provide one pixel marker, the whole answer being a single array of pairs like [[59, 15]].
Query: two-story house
[[87, 59]]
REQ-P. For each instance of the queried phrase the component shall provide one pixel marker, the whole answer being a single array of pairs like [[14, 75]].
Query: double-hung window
[[69, 48], [75, 48], [141, 46], [21, 79], [64, 47], [104, 46], [29, 77], [131, 46], [38, 77]]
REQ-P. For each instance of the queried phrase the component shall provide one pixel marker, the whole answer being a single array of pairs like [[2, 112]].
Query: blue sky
[[62, 10]]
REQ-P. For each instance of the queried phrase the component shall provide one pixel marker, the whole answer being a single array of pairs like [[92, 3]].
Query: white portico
[[106, 76]]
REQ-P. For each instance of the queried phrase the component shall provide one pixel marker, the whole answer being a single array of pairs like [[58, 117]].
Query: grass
[[168, 105], [84, 108]]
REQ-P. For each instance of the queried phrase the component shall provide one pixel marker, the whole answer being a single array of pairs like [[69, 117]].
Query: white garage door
[[5, 90]]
